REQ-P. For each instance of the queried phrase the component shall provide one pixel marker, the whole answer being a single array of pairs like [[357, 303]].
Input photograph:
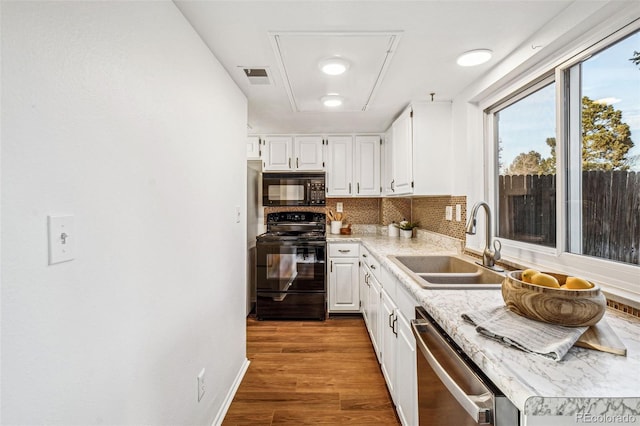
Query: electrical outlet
[[458, 212], [201, 385], [339, 207], [448, 212]]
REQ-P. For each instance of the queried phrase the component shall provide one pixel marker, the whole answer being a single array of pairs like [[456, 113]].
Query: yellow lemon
[[545, 280], [527, 274], [575, 283]]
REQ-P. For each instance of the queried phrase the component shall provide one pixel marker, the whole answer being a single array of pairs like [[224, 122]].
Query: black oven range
[[291, 268]]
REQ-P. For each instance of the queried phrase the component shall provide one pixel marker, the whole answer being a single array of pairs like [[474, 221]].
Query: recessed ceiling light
[[474, 57], [332, 100], [334, 66]]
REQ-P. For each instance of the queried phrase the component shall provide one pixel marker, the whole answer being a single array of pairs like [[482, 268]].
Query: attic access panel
[[299, 53]]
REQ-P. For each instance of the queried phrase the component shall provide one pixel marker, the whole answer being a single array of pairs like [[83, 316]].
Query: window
[[565, 181], [525, 130], [603, 100]]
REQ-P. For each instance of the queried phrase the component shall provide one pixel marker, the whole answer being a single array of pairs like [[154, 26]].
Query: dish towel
[[550, 340]]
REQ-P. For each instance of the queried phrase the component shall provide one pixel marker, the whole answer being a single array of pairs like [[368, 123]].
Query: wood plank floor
[[309, 373]]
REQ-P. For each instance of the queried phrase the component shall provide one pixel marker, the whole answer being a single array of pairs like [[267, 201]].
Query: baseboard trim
[[232, 392]]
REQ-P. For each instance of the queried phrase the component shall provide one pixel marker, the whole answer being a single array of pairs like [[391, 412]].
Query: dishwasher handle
[[469, 403]]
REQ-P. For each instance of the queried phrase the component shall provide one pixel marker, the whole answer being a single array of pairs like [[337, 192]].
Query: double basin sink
[[448, 272]]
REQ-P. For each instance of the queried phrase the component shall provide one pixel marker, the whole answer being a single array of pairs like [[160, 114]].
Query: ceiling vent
[[257, 76]]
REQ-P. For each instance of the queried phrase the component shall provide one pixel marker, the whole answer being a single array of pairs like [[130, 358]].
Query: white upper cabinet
[[401, 160], [367, 166], [353, 166], [387, 164], [285, 153], [253, 148], [308, 151], [421, 152], [339, 166], [277, 153]]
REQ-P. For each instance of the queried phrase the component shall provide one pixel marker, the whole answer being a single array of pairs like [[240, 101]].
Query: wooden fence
[[610, 212]]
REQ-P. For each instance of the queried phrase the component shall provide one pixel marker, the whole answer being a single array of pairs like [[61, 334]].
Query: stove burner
[[292, 226]]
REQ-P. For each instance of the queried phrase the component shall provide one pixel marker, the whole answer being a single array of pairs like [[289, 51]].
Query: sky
[[609, 77]]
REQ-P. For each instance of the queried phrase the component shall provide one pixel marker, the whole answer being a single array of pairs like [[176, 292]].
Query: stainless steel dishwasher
[[451, 388]]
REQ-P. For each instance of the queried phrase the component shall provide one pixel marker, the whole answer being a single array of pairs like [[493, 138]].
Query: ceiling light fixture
[[334, 66], [474, 57], [332, 100]]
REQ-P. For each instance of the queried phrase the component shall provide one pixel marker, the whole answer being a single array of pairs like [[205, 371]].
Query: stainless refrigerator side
[[255, 225]]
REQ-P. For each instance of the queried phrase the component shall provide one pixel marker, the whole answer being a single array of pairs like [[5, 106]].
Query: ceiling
[[288, 38]]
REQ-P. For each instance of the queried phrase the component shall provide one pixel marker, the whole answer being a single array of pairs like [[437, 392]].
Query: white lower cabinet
[[388, 341], [387, 310], [344, 288], [371, 306], [406, 388], [370, 300]]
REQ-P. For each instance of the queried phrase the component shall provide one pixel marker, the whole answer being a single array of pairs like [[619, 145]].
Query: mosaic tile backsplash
[[428, 211]]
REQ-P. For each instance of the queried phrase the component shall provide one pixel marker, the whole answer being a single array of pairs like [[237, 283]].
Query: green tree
[[548, 165], [606, 139], [528, 163]]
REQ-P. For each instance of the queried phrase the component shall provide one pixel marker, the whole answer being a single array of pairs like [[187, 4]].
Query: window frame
[[615, 278]]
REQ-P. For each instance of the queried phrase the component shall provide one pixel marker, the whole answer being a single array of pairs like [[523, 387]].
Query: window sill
[[617, 298]]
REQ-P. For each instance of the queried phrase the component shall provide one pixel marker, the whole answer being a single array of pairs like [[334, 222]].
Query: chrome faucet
[[489, 255]]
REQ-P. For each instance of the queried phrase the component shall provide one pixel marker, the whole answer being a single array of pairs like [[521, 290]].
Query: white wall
[[116, 113]]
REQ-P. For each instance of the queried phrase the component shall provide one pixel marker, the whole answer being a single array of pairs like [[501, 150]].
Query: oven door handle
[[469, 403]]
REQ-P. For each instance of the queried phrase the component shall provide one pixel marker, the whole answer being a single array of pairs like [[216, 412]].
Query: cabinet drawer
[[406, 302], [344, 250], [371, 262]]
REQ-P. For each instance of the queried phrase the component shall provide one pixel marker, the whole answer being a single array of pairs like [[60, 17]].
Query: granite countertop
[[584, 381]]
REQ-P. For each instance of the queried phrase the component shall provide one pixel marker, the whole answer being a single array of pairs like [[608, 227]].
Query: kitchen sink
[[437, 264], [448, 272]]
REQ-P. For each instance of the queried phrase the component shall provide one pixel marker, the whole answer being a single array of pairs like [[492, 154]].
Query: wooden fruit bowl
[[571, 308]]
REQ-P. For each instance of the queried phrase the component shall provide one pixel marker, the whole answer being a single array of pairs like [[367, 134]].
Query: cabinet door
[[364, 294], [374, 313], [277, 153], [387, 162], [402, 182], [253, 148], [339, 166], [367, 166], [432, 148], [388, 341], [344, 289], [308, 152], [406, 389]]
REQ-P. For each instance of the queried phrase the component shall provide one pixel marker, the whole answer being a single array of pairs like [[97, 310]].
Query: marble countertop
[[584, 381]]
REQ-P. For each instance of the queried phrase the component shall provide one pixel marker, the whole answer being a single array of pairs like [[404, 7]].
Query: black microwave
[[293, 189]]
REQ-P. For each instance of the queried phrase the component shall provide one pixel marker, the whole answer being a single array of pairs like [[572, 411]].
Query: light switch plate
[[339, 207], [458, 212], [202, 387], [61, 239]]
